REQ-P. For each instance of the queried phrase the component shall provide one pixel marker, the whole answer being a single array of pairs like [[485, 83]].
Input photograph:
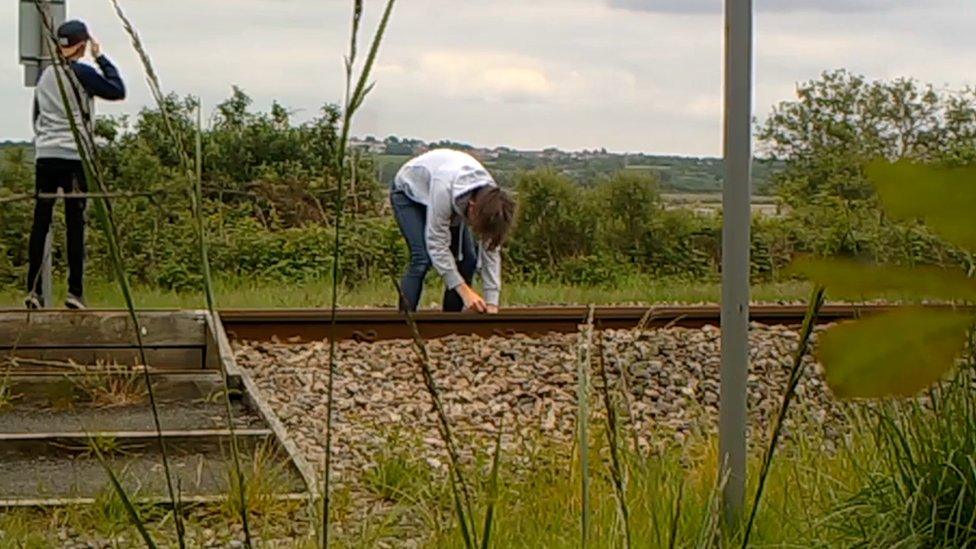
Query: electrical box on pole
[[33, 53]]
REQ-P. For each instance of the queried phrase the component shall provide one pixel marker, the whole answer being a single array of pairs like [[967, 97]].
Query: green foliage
[[597, 235], [859, 281], [843, 121], [627, 205], [920, 475], [902, 352], [946, 200], [553, 222], [894, 353], [269, 184], [829, 136], [16, 177]]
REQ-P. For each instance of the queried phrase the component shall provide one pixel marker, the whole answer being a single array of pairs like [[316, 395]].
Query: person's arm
[[105, 85], [438, 236], [491, 276]]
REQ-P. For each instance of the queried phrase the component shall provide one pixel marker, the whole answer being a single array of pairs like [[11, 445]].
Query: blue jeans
[[412, 219]]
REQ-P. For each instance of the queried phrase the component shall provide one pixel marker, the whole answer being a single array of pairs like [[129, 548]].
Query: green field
[[637, 290]]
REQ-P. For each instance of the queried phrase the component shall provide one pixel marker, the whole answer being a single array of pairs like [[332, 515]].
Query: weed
[[398, 474], [7, 395], [584, 361], [111, 386], [105, 446], [617, 472], [264, 477], [24, 529], [921, 490]]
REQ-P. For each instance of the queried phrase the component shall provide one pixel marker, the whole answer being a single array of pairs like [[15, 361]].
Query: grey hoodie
[[52, 129], [440, 180]]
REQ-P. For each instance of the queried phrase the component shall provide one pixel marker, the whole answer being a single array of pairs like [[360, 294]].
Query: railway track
[[304, 325], [72, 387], [71, 382]]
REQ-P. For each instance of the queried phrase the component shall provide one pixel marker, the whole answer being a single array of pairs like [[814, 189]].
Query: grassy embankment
[[241, 294]]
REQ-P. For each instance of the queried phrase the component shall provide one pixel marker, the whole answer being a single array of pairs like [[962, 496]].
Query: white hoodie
[[438, 179]]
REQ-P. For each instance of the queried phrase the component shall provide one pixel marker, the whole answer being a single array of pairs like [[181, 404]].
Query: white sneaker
[[32, 301], [74, 302]]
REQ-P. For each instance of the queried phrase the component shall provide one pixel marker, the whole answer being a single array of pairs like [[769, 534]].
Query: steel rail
[[304, 325]]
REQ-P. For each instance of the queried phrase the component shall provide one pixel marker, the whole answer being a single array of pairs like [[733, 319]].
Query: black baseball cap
[[71, 33]]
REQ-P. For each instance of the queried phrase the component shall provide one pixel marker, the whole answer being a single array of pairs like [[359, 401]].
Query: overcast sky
[[628, 75]]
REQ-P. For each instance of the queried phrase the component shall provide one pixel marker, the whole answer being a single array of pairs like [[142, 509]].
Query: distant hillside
[[677, 173], [14, 145]]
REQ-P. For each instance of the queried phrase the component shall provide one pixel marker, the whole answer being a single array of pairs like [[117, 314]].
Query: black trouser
[[69, 176]]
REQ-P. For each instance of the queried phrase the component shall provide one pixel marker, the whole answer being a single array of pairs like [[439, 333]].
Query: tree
[[627, 204], [553, 223], [843, 121], [836, 127]]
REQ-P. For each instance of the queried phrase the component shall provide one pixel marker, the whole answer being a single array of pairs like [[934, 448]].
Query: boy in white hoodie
[[439, 199], [58, 162]]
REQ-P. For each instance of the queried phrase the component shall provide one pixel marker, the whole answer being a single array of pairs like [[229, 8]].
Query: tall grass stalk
[[354, 97], [583, 413], [193, 172], [617, 472], [709, 531], [88, 151], [459, 486], [676, 517], [796, 372], [492, 491]]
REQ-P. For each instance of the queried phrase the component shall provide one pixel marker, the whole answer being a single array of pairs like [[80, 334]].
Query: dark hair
[[493, 216]]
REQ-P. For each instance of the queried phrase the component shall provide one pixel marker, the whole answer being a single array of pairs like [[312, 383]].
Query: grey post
[[34, 58], [735, 254]]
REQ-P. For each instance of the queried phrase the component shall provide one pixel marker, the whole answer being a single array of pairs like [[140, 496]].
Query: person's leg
[[412, 219], [74, 215], [466, 266], [45, 181]]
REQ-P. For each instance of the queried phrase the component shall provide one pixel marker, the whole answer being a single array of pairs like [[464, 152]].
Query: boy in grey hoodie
[[439, 199], [58, 163]]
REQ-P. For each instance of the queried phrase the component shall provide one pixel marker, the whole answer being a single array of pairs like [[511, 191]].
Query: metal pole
[[47, 293], [735, 254]]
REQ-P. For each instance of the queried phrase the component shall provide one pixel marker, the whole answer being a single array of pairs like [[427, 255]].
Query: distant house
[[369, 146]]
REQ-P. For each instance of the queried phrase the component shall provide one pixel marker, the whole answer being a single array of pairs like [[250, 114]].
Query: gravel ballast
[[668, 381]]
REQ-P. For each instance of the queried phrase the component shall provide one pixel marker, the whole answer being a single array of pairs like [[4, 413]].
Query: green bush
[[554, 223], [921, 490], [269, 191]]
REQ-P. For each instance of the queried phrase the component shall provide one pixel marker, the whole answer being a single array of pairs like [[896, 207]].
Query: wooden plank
[[130, 436], [215, 441], [169, 359], [94, 328], [158, 500]]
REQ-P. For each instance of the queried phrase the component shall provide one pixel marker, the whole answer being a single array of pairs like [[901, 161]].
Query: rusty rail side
[[302, 325]]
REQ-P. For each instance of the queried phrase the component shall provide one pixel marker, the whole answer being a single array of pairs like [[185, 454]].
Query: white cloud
[[489, 76], [715, 6], [567, 73]]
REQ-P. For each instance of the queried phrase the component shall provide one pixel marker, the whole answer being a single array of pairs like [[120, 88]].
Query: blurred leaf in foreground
[[847, 279], [897, 353], [944, 198]]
